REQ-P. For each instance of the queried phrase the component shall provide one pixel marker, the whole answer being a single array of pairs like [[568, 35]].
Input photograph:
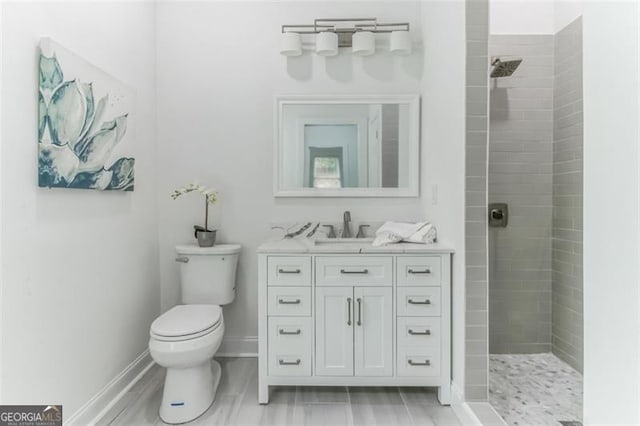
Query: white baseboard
[[97, 406], [241, 346], [473, 413], [487, 415], [465, 414]]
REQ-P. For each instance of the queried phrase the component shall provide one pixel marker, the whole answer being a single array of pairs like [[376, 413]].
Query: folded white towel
[[425, 235], [394, 232]]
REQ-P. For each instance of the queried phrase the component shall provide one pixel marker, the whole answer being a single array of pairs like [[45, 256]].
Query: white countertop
[[306, 245]]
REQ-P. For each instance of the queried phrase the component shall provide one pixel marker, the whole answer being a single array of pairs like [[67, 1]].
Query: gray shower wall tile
[[520, 174], [476, 356], [567, 298]]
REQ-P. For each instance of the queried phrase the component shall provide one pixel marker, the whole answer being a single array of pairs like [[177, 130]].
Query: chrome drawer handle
[[283, 362], [182, 259], [416, 302], [424, 271], [289, 302], [292, 271], [283, 331], [414, 363], [427, 332], [363, 271]]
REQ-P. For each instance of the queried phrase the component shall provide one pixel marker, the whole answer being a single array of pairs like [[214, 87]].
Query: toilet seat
[[186, 322]]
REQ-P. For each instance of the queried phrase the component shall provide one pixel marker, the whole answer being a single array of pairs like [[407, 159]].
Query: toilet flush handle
[[182, 259]]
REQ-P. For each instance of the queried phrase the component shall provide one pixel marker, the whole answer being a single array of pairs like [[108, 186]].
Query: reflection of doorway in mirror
[[331, 141], [374, 133]]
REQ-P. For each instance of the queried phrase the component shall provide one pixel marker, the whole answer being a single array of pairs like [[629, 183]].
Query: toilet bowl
[[184, 340]]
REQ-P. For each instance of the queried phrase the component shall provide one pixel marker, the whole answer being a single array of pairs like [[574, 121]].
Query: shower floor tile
[[534, 389]]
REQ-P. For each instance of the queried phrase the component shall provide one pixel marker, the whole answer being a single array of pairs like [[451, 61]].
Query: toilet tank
[[208, 274]]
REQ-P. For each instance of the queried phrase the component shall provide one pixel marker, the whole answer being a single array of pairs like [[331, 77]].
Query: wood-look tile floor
[[237, 403]]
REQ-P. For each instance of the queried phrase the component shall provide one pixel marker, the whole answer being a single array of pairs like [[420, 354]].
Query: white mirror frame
[[412, 190]]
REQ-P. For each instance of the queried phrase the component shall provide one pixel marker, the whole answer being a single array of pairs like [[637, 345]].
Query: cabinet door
[[334, 331], [373, 318]]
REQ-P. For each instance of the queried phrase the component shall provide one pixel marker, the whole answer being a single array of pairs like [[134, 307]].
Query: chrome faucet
[[346, 232]]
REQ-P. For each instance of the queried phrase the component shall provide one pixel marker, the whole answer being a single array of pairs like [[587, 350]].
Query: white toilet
[[185, 338]]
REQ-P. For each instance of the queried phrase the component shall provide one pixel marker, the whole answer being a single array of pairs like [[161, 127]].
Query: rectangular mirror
[[347, 146]]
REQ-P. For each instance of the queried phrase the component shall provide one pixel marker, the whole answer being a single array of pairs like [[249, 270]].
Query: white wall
[[532, 16], [521, 17], [215, 94], [611, 212], [1, 180], [443, 147], [565, 12], [80, 268]]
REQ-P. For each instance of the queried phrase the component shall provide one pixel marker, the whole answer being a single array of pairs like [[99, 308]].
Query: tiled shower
[[535, 262]]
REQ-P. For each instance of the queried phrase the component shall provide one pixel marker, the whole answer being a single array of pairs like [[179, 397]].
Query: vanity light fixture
[[357, 33], [400, 43], [327, 43], [291, 44], [364, 43]]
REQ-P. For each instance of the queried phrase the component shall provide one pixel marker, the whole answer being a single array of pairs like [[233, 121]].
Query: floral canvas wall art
[[84, 122]]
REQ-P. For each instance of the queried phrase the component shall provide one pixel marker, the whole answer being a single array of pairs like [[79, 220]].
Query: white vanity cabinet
[[354, 331], [359, 316]]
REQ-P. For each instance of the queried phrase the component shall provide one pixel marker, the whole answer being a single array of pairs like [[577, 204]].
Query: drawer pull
[[419, 302], [427, 332], [289, 302], [362, 271], [414, 271], [283, 362], [182, 259], [415, 364], [283, 331], [291, 271]]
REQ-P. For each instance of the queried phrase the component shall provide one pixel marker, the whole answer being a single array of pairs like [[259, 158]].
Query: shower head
[[504, 67]]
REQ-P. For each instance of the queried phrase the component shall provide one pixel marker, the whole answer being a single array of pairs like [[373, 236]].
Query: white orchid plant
[[210, 196]]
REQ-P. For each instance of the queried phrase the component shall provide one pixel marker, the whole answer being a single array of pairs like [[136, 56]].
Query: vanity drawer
[[418, 270], [289, 270], [421, 332], [354, 270], [289, 301], [418, 362], [418, 301], [290, 345]]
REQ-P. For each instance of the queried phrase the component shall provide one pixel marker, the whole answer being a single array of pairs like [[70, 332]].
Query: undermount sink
[[343, 241]]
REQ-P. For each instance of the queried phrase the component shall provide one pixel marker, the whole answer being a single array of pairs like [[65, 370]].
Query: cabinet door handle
[[415, 363], [361, 271], [289, 271], [426, 332], [414, 271], [283, 362], [419, 302], [359, 311], [348, 311], [289, 302], [283, 331]]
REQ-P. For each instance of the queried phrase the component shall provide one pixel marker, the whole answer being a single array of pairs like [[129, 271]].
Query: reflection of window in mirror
[[326, 173], [325, 167], [333, 139]]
